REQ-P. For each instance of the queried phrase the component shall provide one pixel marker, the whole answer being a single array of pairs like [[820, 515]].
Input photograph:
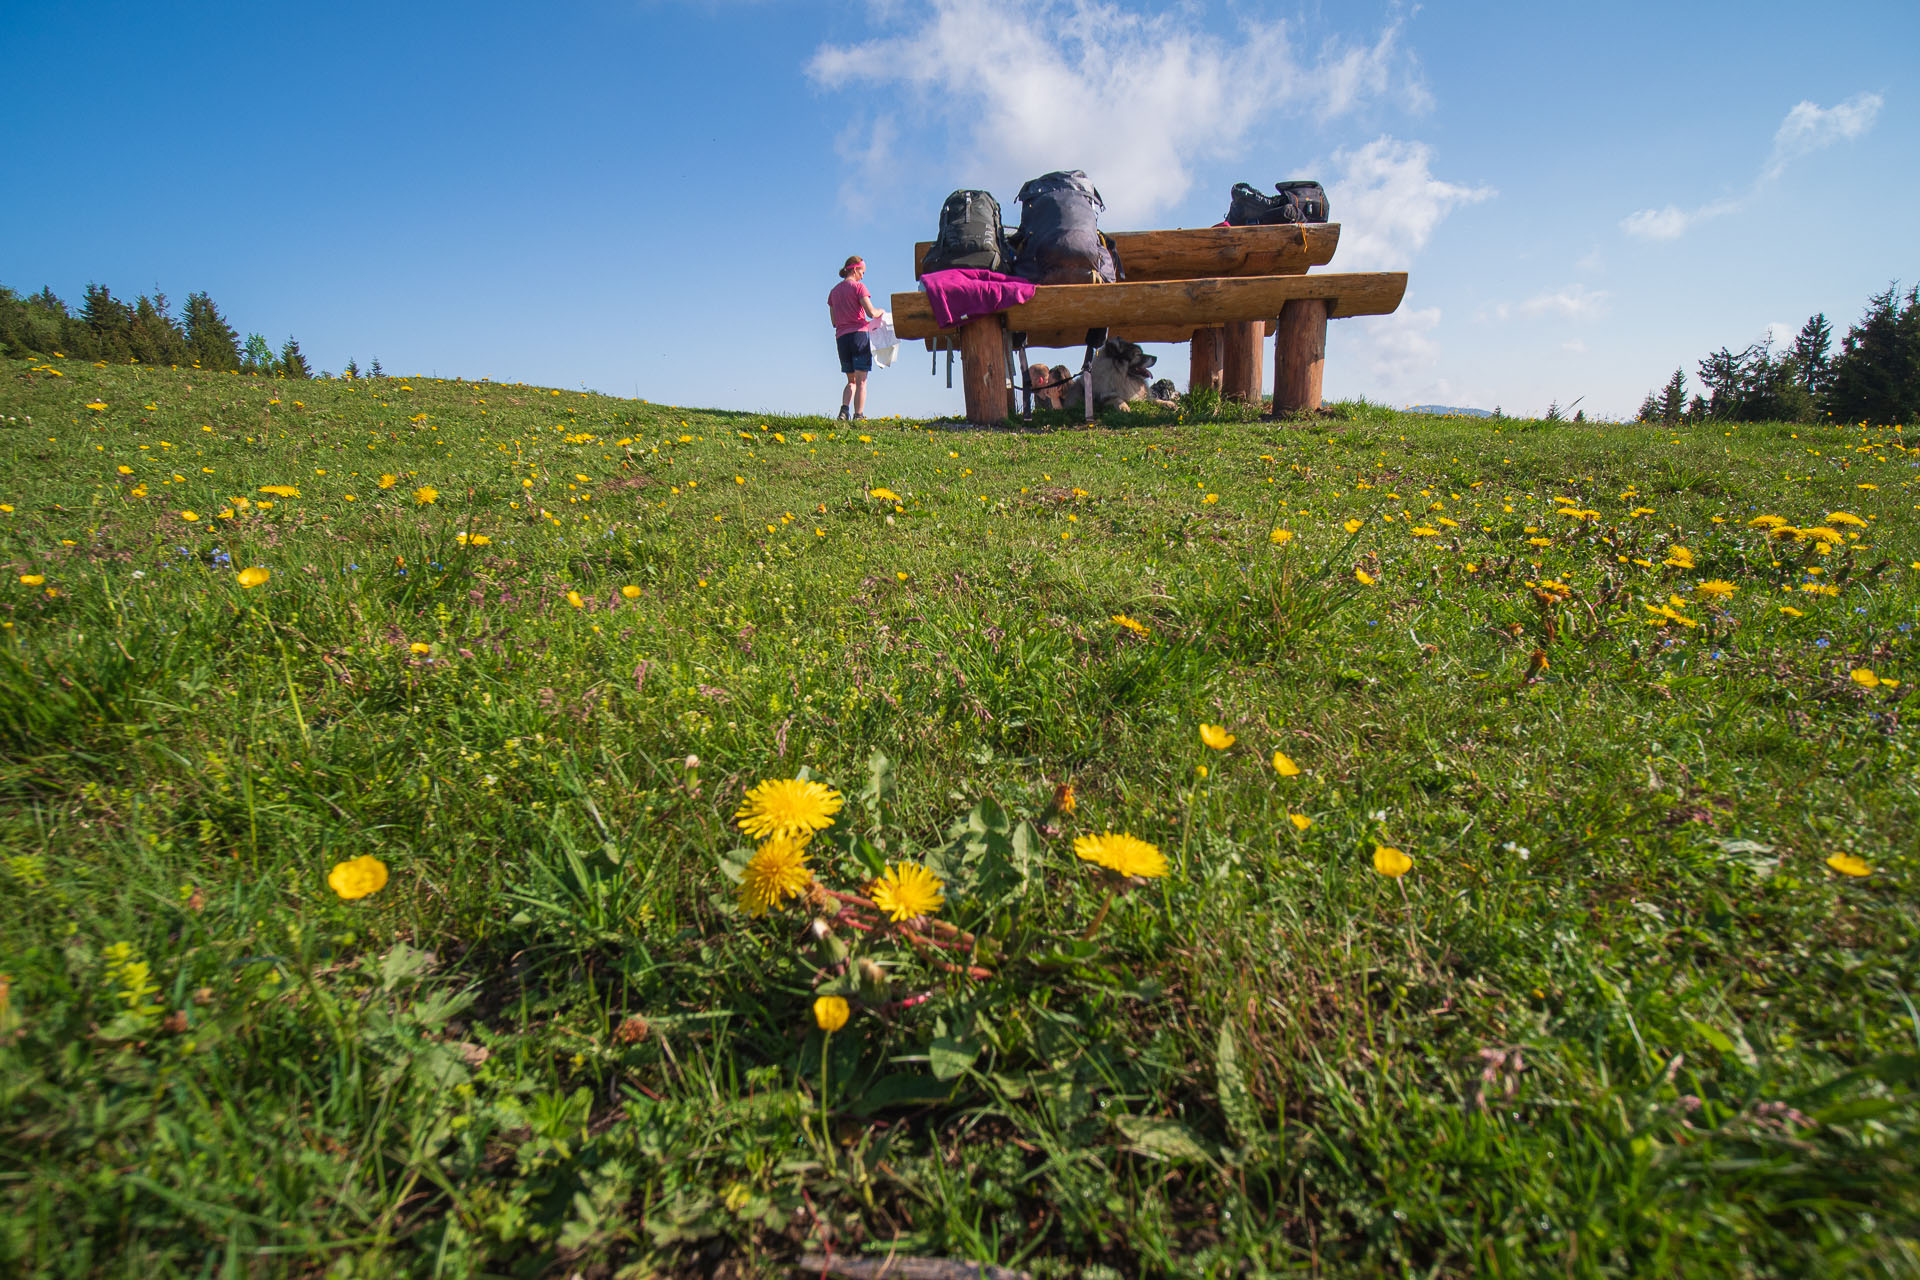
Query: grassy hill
[[1552, 906]]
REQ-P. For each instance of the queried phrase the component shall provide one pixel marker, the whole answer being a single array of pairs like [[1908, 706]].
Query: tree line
[[146, 330], [1873, 377]]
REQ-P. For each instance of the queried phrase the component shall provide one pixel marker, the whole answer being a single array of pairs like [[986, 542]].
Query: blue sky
[[651, 198]]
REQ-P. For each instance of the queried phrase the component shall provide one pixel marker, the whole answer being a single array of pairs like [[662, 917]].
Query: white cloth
[[886, 344]]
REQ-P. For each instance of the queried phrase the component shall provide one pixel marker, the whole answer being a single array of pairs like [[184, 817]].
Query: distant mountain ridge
[[1447, 408]]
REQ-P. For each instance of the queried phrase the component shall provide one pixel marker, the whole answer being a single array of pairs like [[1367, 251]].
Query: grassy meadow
[[1551, 910]]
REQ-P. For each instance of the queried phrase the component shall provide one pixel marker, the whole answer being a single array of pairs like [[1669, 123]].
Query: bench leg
[[1203, 360], [983, 370], [1242, 353], [1299, 356]]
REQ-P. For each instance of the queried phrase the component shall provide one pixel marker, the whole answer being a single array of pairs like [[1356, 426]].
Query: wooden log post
[[1203, 360], [1299, 356], [1240, 360], [983, 370]]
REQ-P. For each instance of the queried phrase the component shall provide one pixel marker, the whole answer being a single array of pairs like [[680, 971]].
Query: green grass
[[1620, 1018]]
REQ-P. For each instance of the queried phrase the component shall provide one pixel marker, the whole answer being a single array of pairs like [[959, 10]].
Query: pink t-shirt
[[845, 301]]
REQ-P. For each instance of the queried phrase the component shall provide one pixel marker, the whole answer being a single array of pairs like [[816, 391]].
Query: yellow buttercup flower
[[1848, 865], [788, 806], [1285, 767], [32, 579], [630, 591], [189, 516], [907, 891], [1216, 736], [420, 648], [1121, 854], [1353, 526], [1300, 820], [1391, 862], [778, 870], [830, 1013], [1364, 578], [253, 576], [357, 878]]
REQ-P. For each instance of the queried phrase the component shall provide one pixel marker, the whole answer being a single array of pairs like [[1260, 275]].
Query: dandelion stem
[[1100, 917]]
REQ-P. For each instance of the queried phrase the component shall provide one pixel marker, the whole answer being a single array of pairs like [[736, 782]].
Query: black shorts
[[856, 352]]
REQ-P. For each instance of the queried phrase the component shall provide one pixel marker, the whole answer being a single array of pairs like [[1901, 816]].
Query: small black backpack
[[1059, 237], [970, 235], [1296, 202]]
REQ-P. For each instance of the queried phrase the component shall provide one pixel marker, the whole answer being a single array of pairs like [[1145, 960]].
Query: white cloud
[[1574, 345], [1782, 334], [1575, 302], [1808, 127], [1389, 202], [1135, 99]]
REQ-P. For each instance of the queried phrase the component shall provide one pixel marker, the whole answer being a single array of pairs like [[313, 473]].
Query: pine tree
[[1697, 408], [155, 337], [210, 339], [1876, 376], [373, 370], [105, 325], [1810, 351], [1649, 409], [352, 370], [292, 363], [1673, 399]]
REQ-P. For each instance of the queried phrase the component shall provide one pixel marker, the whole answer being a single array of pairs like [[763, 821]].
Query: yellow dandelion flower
[[830, 1013], [1138, 628], [788, 806], [1280, 537], [189, 516], [1121, 854], [254, 576], [1353, 526], [1717, 587], [1300, 821], [1210, 499], [1678, 557], [426, 495], [280, 490], [1364, 578], [1216, 736], [420, 647], [1284, 766], [1390, 862], [1843, 517], [630, 591], [1765, 522], [1791, 612], [33, 579], [124, 469], [885, 495], [907, 891], [575, 599], [97, 407], [388, 481], [358, 877], [1848, 865], [778, 870]]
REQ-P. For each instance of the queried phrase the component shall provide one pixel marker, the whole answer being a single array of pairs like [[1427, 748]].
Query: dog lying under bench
[[1119, 371]]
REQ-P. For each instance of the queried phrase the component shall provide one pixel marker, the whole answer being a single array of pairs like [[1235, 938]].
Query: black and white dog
[[1121, 372]]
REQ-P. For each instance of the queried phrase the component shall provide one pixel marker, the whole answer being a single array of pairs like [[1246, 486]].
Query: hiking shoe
[[844, 412], [859, 417]]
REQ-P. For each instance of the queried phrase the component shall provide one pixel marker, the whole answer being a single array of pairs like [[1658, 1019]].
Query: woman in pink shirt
[[853, 312]]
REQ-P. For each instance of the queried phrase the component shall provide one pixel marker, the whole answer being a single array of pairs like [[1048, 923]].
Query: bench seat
[[1172, 303]]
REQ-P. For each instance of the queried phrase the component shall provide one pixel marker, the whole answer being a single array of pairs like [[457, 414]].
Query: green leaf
[[1236, 1100], [1160, 1138], [403, 964], [950, 1056], [900, 1089], [1712, 1035]]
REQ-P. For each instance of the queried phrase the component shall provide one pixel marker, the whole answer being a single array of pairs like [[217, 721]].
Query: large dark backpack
[[1296, 202], [970, 235], [1059, 240]]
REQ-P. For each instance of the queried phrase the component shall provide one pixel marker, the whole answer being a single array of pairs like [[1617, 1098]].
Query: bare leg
[[846, 393], [858, 381]]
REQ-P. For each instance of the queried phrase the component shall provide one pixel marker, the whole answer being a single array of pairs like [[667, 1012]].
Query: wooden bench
[[1219, 289]]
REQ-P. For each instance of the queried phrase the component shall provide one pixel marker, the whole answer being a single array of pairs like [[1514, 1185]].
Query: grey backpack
[[970, 235], [1059, 241]]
